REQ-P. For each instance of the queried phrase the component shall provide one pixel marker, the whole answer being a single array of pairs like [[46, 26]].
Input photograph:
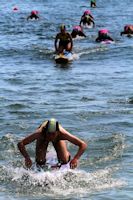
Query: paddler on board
[[52, 131], [63, 41]]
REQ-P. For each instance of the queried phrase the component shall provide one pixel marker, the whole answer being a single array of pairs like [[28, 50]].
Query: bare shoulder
[[68, 34], [58, 35], [30, 138], [67, 135]]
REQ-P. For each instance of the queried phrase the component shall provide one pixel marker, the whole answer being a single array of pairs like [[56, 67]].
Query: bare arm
[[71, 40], [80, 22], [74, 140], [92, 22], [55, 44], [22, 149]]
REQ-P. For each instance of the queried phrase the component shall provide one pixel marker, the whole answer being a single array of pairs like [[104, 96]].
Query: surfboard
[[129, 35], [64, 57], [52, 163], [107, 42], [60, 168], [88, 25]]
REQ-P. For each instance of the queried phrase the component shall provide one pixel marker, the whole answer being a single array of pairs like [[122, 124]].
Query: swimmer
[[52, 131], [103, 36], [77, 31], [33, 15], [93, 3], [128, 30], [87, 18]]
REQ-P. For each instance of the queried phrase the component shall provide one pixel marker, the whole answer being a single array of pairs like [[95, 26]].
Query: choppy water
[[91, 97]]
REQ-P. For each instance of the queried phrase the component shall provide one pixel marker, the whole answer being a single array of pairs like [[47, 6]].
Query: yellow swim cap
[[62, 27], [52, 125]]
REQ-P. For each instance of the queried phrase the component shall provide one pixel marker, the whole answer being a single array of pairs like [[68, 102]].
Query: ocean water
[[92, 98]]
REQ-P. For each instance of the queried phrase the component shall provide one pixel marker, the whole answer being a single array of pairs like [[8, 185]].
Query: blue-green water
[[92, 97]]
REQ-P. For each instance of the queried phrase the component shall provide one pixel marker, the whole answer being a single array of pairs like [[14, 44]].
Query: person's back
[[103, 36], [77, 31]]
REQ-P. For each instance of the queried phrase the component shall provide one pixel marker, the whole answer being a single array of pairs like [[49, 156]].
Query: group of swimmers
[[64, 39], [51, 130]]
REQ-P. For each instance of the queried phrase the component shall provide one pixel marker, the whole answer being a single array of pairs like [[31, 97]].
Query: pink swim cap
[[77, 28], [34, 12], [103, 31], [87, 12]]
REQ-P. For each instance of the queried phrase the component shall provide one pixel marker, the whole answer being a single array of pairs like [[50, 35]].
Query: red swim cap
[[87, 12], [103, 31], [34, 12]]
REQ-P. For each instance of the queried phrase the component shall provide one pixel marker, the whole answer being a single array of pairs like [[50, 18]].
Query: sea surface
[[92, 97]]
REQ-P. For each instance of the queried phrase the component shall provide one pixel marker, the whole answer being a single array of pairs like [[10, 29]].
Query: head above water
[[87, 12], [62, 27], [52, 125], [34, 12], [79, 28], [103, 31]]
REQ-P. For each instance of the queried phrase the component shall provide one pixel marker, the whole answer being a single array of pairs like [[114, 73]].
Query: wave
[[59, 183], [91, 176]]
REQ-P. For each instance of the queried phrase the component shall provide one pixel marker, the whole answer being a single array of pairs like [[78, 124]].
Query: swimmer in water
[[87, 19], [33, 15], [128, 30], [52, 131], [93, 3], [103, 36], [77, 31], [65, 40]]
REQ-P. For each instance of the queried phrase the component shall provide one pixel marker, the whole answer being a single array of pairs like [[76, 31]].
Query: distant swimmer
[[93, 3], [87, 19], [15, 9], [77, 31], [33, 15], [63, 40], [103, 36], [52, 131], [128, 30], [87, 12]]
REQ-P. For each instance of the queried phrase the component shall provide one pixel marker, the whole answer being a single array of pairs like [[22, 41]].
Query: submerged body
[[128, 30], [33, 15], [93, 3], [77, 31], [103, 36]]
